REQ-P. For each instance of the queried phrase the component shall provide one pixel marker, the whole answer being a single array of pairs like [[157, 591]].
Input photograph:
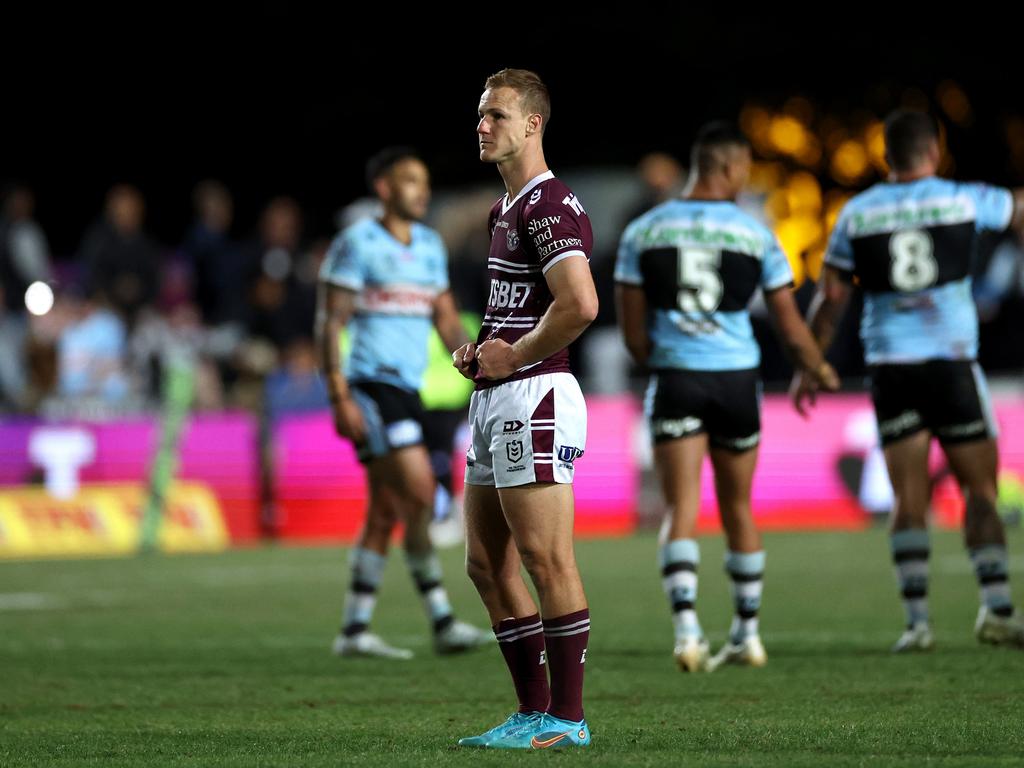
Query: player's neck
[[915, 174], [516, 173], [707, 189], [400, 229]]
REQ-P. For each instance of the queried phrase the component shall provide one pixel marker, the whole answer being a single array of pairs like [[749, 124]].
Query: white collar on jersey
[[506, 204]]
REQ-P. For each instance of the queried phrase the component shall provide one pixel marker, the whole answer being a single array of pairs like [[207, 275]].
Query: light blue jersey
[[699, 262], [397, 286], [910, 246]]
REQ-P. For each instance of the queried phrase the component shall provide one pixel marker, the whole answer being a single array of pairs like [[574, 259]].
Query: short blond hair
[[533, 94]]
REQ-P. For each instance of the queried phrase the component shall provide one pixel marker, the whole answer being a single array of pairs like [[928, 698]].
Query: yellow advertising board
[[104, 520]]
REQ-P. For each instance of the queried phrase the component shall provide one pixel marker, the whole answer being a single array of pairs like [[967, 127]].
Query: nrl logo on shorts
[[514, 450], [512, 239]]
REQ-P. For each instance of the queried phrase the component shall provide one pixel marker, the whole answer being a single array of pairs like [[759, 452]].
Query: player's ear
[[382, 188], [533, 124]]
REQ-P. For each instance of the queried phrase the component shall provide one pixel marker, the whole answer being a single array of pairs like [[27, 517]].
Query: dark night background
[[279, 98]]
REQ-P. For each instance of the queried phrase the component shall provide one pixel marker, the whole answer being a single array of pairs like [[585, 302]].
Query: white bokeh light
[[39, 298]]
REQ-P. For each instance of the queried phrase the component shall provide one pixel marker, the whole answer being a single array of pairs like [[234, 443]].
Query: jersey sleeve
[[627, 260], [775, 269], [557, 230], [839, 253], [441, 277], [993, 207], [342, 266]]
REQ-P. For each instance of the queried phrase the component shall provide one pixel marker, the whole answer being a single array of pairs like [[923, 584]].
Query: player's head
[[912, 141], [721, 154], [399, 177], [514, 111]]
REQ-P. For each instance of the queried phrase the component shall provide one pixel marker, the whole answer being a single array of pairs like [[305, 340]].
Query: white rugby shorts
[[526, 431]]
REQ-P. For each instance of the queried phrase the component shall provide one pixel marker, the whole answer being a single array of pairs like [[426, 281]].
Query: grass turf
[[223, 661]]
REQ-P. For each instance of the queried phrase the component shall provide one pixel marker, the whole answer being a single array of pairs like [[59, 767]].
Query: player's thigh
[[678, 463], [409, 472], [734, 478], [540, 517], [975, 464], [907, 462], [489, 544]]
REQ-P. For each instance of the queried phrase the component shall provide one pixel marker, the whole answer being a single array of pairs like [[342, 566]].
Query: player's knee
[[480, 573], [546, 567]]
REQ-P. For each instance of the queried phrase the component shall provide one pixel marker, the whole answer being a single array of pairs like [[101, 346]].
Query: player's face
[[406, 190], [502, 129]]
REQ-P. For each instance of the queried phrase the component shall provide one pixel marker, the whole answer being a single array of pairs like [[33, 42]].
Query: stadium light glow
[[39, 298]]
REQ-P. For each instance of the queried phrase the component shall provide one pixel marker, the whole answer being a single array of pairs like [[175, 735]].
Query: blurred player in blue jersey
[[388, 279], [685, 272], [908, 242]]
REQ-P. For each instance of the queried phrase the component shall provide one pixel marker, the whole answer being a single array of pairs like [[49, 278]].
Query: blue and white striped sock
[[678, 560]]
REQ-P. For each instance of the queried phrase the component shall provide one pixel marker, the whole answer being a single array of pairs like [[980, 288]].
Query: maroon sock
[[566, 640], [522, 644]]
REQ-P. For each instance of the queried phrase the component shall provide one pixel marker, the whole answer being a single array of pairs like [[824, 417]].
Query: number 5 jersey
[[699, 262]]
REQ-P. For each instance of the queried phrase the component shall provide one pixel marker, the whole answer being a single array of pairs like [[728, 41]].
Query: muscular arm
[[448, 323], [631, 314], [334, 309], [826, 309], [573, 308], [797, 341], [828, 306]]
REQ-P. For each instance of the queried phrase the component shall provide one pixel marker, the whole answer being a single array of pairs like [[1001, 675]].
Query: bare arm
[[573, 308], [1017, 220], [334, 308], [448, 323], [797, 341], [631, 314], [826, 310], [828, 306]]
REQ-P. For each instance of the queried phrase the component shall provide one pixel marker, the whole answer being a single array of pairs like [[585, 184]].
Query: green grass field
[[223, 660]]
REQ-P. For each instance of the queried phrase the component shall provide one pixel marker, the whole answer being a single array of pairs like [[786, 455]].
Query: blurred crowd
[[90, 334]]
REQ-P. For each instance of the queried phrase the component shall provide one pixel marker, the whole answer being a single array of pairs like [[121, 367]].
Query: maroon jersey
[[542, 226]]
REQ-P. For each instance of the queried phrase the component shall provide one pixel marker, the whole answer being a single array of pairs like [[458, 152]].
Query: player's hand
[[826, 377], [463, 358], [348, 420], [805, 385], [802, 389], [497, 359]]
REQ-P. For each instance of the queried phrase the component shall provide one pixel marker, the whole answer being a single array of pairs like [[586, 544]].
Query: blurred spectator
[[24, 253], [178, 338], [662, 177], [296, 384], [13, 370], [275, 256], [91, 352], [120, 260], [216, 260]]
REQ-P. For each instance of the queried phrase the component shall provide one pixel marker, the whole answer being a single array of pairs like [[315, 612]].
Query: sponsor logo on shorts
[[906, 420], [676, 427], [514, 450], [512, 426], [569, 453], [404, 432]]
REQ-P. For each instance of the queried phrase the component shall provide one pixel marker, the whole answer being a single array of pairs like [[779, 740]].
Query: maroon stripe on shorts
[[544, 439]]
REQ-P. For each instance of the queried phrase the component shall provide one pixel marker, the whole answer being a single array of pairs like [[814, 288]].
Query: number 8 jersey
[[910, 245], [699, 262]]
